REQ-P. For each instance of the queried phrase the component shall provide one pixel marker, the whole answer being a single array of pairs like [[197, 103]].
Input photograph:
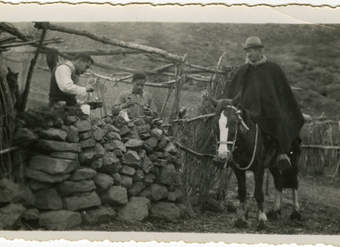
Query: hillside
[[309, 54]]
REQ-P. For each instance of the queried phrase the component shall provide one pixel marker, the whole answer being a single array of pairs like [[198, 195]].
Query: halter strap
[[239, 116]]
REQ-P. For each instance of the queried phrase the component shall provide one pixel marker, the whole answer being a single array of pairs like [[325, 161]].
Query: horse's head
[[230, 118]]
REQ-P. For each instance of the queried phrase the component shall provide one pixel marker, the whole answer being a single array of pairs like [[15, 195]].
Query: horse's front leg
[[241, 221], [259, 197]]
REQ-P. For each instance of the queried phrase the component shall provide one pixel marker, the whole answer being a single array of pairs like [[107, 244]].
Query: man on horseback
[[261, 88]]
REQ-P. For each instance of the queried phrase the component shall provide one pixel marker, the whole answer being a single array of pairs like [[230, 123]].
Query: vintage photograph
[[170, 127]]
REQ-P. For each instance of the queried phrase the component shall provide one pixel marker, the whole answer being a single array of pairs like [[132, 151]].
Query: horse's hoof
[[241, 223], [261, 226], [296, 216], [274, 214]]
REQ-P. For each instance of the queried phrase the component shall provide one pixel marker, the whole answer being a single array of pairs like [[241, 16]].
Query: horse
[[243, 145]]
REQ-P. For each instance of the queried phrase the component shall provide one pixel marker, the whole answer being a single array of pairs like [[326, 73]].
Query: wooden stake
[[180, 78], [170, 90], [212, 87], [24, 96]]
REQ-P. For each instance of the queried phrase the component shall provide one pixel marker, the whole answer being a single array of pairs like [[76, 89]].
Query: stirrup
[[283, 157], [283, 162]]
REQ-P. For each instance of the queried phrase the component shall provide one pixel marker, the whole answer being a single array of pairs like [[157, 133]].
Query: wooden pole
[[170, 90], [166, 84], [180, 78], [102, 52], [210, 70], [130, 70], [115, 42], [33, 42], [9, 28], [212, 83], [24, 96]]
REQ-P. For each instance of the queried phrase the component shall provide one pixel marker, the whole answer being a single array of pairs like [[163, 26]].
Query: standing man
[[137, 103], [64, 80], [261, 88]]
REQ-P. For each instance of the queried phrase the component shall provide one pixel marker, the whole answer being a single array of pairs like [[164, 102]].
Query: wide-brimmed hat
[[253, 42]]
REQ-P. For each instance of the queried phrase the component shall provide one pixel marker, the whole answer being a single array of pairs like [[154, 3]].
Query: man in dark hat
[[261, 88], [137, 102], [64, 80]]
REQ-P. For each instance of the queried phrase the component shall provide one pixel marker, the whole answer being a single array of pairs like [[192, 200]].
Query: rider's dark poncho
[[263, 90]]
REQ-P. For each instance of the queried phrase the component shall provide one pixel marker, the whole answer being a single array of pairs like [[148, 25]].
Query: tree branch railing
[[101, 52], [33, 43], [113, 42]]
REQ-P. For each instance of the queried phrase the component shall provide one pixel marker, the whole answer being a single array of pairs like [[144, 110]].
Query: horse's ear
[[9, 70]]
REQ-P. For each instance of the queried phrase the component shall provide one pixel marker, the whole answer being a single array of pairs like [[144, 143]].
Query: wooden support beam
[[115, 68], [162, 68], [198, 78], [210, 70], [148, 84], [102, 52], [33, 42], [11, 29], [7, 40], [157, 70], [114, 42]]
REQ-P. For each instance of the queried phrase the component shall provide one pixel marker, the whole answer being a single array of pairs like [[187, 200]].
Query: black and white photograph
[[189, 127]]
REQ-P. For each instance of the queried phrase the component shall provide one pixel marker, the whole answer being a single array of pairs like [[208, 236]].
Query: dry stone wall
[[91, 172]]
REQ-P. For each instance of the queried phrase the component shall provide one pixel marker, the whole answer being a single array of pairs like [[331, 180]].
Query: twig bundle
[[321, 148], [7, 123]]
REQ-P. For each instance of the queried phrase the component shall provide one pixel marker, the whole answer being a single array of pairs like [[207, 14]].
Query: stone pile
[[94, 172]]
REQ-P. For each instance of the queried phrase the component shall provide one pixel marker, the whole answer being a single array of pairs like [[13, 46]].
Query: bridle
[[241, 121]]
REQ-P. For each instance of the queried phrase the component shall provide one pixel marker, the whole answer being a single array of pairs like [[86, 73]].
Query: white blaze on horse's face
[[123, 114], [223, 151]]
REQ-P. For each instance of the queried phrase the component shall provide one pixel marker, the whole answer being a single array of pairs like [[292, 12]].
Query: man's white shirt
[[65, 83]]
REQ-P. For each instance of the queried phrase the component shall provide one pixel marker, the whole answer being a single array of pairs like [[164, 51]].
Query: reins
[[238, 113], [253, 154]]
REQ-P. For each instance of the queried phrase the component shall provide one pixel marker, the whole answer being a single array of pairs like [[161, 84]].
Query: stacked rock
[[136, 166], [62, 188], [91, 172]]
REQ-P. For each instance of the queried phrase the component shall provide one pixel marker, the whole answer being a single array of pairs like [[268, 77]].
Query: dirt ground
[[319, 202]]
